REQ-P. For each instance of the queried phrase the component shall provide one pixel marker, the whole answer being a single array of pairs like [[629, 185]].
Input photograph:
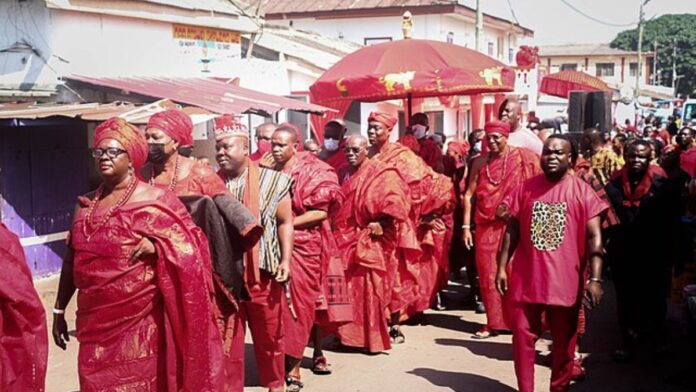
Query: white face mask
[[419, 130], [478, 145], [331, 144]]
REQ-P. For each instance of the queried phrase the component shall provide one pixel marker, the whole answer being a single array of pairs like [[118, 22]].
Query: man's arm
[[467, 199], [593, 291], [286, 234], [507, 247], [310, 218]]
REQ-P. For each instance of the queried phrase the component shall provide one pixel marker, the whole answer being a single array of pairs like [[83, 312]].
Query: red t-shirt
[[547, 266]]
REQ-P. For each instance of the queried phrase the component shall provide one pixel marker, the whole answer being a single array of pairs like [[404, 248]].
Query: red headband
[[385, 118], [176, 124], [128, 135], [497, 126]]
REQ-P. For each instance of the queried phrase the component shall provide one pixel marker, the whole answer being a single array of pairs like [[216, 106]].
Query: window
[[633, 69], [569, 67], [511, 55], [605, 69], [376, 40], [501, 49], [490, 49], [450, 37]]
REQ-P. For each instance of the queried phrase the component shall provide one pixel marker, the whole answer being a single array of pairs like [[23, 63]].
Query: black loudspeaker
[[598, 111], [577, 103], [589, 110]]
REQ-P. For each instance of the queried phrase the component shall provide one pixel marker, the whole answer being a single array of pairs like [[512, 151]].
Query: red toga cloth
[[431, 154], [202, 180], [419, 179], [315, 187], [146, 324], [519, 165], [375, 193], [23, 335], [688, 161], [337, 158]]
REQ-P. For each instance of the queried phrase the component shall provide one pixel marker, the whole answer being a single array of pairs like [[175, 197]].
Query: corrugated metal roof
[[583, 50], [86, 111], [207, 93]]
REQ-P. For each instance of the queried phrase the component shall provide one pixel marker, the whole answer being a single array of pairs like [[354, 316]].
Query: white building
[[369, 22], [44, 40]]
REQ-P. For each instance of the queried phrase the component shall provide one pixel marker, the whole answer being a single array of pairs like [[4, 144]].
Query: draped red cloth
[[23, 335], [433, 269], [145, 324], [202, 180], [376, 192], [521, 164], [431, 154], [315, 187], [688, 161], [419, 179]]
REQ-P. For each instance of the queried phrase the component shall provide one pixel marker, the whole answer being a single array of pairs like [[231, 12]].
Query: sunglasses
[[111, 152]]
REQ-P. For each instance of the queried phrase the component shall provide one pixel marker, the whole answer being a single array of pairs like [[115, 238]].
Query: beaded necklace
[[175, 177], [488, 170], [88, 228]]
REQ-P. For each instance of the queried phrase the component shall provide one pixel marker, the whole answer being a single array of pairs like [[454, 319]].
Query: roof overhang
[[211, 94], [159, 11]]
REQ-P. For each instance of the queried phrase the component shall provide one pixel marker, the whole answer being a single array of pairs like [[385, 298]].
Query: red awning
[[207, 93]]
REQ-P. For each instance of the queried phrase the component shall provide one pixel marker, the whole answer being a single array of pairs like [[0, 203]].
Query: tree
[[669, 31]]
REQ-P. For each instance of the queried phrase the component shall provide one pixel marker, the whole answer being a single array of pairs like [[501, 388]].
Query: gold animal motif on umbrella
[[342, 87], [391, 80], [491, 75]]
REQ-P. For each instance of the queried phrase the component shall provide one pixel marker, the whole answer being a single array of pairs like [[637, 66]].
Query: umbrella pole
[[409, 112]]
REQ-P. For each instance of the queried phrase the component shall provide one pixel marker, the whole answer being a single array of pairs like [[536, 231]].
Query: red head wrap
[[385, 118], [497, 126], [130, 137], [410, 141], [461, 148], [293, 128], [228, 125], [176, 124]]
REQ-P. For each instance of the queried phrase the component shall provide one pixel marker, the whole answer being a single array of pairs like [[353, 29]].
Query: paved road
[[439, 356]]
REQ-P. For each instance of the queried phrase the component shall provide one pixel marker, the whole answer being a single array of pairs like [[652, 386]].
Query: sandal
[[397, 337], [484, 333], [321, 366], [293, 385]]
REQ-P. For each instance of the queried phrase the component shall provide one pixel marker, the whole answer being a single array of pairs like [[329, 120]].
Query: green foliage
[[668, 31]]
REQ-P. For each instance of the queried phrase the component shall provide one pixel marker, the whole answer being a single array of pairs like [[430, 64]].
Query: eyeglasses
[[111, 152], [354, 150]]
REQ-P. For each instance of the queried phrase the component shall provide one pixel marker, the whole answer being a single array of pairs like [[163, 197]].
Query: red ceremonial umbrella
[[410, 68], [560, 84]]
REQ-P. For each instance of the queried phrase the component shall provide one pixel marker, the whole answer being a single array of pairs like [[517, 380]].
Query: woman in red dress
[[144, 318]]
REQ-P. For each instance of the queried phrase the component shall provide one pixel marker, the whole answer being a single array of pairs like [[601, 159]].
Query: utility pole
[[655, 78], [674, 62], [479, 26], [640, 46]]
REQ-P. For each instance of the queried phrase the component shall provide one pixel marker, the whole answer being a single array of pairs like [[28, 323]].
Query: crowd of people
[[172, 259]]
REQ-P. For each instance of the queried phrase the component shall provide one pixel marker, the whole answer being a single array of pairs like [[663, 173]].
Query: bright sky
[[554, 22]]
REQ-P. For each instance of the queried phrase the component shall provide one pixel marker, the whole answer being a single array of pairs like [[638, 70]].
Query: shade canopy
[[560, 84], [411, 68]]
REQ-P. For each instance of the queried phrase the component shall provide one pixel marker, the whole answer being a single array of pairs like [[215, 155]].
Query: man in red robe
[[334, 142], [494, 174], [428, 150], [262, 155], [315, 193], [24, 339], [554, 219], [430, 197], [368, 226], [685, 140], [266, 193]]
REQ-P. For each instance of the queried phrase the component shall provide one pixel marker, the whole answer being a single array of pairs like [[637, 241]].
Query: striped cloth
[[274, 186]]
